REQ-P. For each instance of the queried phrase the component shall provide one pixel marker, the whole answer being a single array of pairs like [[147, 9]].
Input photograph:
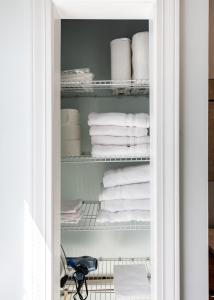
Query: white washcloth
[[119, 140], [131, 282], [70, 206], [128, 191], [119, 119], [127, 175], [123, 216], [142, 150], [118, 131], [128, 204]]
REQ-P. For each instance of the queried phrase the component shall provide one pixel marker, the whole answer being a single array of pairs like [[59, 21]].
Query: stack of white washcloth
[[119, 135], [82, 75], [70, 132], [126, 195], [71, 211]]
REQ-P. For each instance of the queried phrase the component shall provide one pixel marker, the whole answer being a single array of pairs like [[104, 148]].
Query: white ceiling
[[104, 9]]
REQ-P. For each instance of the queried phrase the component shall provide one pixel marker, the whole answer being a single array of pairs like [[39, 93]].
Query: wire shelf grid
[[101, 282], [90, 159], [89, 211], [105, 88]]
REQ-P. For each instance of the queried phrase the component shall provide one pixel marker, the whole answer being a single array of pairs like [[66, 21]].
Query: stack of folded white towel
[[71, 211], [70, 132], [119, 134], [126, 195]]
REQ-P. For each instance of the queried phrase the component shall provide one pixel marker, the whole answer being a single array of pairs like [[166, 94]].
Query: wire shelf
[[90, 159], [89, 211], [105, 88], [100, 282]]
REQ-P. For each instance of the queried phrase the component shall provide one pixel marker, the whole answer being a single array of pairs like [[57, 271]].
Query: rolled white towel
[[121, 131], [142, 150], [127, 191], [121, 59], [119, 119], [127, 175], [123, 216], [70, 131], [140, 55], [127, 204], [70, 116], [119, 140], [71, 148]]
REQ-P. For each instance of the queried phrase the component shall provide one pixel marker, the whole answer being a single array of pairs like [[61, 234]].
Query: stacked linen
[[71, 211], [77, 76], [126, 195], [119, 134], [70, 132]]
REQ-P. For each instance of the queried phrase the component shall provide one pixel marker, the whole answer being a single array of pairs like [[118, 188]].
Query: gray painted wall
[[193, 146]]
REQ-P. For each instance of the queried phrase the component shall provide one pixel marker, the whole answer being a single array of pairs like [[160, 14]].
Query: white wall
[[194, 158], [15, 145], [15, 149]]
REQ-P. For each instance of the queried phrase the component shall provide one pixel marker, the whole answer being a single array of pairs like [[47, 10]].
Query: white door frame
[[44, 223]]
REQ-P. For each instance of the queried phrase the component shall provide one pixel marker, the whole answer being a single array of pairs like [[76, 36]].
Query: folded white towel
[[119, 140], [131, 282], [119, 119], [128, 204], [123, 216], [142, 150], [128, 191], [127, 175], [70, 206], [118, 131]]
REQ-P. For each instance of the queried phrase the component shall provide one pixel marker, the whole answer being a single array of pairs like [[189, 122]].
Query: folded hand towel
[[119, 119], [70, 206], [118, 131], [119, 140], [128, 191], [123, 216], [142, 150], [128, 204], [127, 175], [131, 281]]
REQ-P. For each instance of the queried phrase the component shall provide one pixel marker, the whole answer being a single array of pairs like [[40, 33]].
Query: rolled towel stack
[[126, 195], [119, 134], [70, 132], [71, 211], [129, 55]]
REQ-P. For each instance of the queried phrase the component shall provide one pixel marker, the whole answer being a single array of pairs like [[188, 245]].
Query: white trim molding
[[167, 105], [46, 142]]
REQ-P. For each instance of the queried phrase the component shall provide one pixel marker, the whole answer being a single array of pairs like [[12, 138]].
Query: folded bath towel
[[70, 206], [128, 191], [119, 140], [142, 150], [123, 216], [127, 175], [118, 131], [131, 282], [128, 204], [119, 119]]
